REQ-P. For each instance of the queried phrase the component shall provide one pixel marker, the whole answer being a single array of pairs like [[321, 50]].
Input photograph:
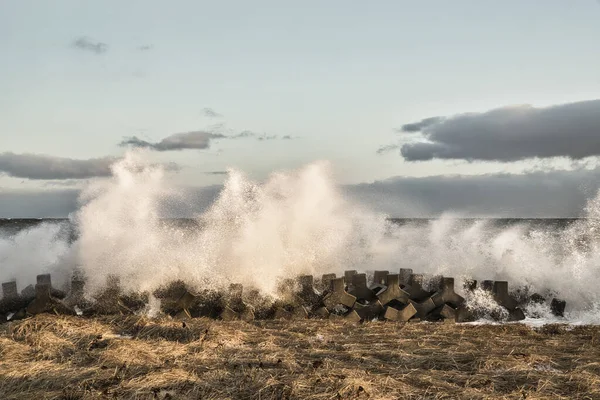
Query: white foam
[[296, 222]]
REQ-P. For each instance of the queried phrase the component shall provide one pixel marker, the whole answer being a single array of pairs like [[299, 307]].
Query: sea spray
[[294, 222], [255, 232]]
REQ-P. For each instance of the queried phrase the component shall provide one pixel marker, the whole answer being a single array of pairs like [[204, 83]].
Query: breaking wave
[[296, 222]]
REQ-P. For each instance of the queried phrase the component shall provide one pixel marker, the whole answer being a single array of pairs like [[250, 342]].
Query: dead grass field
[[51, 357]]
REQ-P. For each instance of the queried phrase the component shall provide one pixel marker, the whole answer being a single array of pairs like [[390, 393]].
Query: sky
[[420, 96]]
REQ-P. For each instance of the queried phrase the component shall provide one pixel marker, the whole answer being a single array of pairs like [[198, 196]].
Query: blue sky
[[338, 76]]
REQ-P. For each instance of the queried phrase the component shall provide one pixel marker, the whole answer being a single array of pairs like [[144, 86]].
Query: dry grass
[[50, 357]]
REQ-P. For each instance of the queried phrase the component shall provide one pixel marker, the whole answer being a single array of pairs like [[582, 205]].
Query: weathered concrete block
[[558, 307], [469, 285], [487, 285], [44, 279], [76, 294], [516, 315], [44, 302], [247, 315], [402, 315], [502, 297], [326, 281], [9, 290], [348, 276], [414, 288], [444, 312], [393, 291], [229, 315], [307, 294], [404, 276], [28, 292], [369, 311], [352, 316], [299, 313], [447, 295], [464, 314], [537, 298], [360, 289], [338, 295], [321, 312], [423, 308], [380, 279]]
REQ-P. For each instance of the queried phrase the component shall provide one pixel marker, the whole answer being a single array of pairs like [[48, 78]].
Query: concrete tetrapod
[[360, 289], [393, 291], [414, 288], [502, 297], [400, 315], [338, 296], [447, 295]]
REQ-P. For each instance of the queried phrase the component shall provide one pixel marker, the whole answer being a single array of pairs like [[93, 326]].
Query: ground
[[54, 357]]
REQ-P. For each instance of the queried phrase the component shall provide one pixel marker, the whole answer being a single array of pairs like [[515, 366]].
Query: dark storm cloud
[[178, 141], [39, 166], [419, 126], [86, 44], [509, 134], [210, 113]]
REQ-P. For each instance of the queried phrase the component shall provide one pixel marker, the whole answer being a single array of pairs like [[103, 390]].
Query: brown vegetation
[[50, 357]]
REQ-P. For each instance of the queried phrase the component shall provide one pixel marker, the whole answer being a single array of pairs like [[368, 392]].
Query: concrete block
[[44, 279], [393, 291], [414, 288], [9, 290], [247, 315], [348, 276], [307, 294], [501, 296], [236, 290], [352, 316], [447, 295], [369, 311], [299, 313], [444, 312], [28, 292], [516, 315], [338, 295], [326, 282], [423, 308], [469, 285], [404, 276], [464, 314], [360, 289], [282, 313], [229, 315], [558, 307], [380, 278], [321, 312], [76, 294], [537, 298], [402, 315], [487, 285], [44, 302]]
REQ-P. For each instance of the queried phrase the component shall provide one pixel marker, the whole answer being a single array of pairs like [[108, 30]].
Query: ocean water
[[295, 222]]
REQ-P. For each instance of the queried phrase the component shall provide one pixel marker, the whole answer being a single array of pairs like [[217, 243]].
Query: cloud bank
[[542, 194], [39, 166], [178, 141], [509, 134]]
